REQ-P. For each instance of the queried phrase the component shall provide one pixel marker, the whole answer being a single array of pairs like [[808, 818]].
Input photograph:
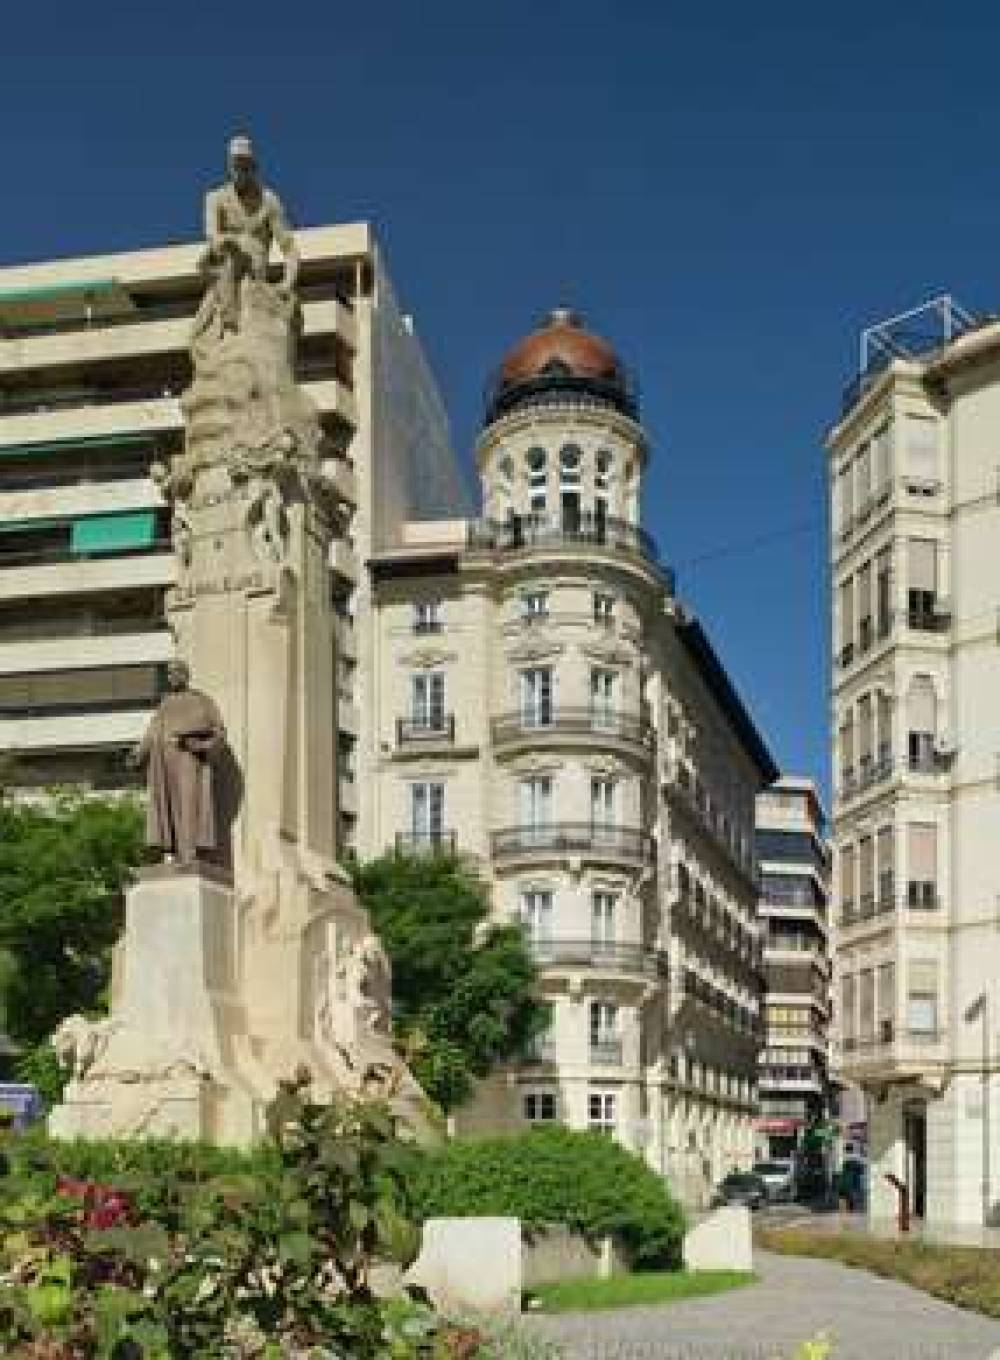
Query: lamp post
[[980, 1010]]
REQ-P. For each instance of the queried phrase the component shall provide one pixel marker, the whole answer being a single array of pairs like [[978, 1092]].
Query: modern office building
[[915, 490], [523, 686], [93, 356], [794, 863], [544, 703]]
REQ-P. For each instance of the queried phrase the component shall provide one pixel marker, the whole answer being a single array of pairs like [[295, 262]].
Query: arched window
[[537, 463], [570, 463], [602, 469]]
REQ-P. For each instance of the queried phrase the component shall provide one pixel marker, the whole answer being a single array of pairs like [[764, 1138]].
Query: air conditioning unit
[[945, 749]]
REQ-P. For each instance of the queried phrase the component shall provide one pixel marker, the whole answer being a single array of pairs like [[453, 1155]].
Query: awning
[[113, 533], [96, 441], [76, 299]]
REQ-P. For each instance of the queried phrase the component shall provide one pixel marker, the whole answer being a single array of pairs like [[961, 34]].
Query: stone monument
[[245, 956]]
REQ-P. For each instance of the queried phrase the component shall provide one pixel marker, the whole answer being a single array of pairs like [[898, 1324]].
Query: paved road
[[867, 1318]]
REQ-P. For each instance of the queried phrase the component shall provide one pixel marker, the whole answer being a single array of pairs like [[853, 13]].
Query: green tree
[[64, 864], [463, 990]]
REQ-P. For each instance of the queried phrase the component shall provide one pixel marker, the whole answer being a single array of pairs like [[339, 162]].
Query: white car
[[779, 1178]]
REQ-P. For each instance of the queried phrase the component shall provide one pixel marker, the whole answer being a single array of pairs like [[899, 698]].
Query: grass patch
[[627, 1291], [966, 1276]]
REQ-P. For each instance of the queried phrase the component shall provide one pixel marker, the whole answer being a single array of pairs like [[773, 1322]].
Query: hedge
[[583, 1181]]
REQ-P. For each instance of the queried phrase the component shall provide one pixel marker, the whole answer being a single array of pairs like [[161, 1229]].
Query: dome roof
[[557, 360], [561, 340]]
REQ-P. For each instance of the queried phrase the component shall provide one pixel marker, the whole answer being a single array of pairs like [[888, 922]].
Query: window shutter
[[921, 705], [921, 448], [923, 852], [922, 561]]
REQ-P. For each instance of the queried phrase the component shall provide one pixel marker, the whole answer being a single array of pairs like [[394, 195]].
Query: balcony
[[555, 724], [606, 1052], [420, 733], [922, 895], [560, 840], [586, 531], [892, 1048], [601, 955], [699, 989], [426, 842], [683, 796], [932, 615]]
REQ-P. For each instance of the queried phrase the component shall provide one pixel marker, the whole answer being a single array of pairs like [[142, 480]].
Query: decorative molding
[[426, 657], [536, 764], [609, 655], [537, 649]]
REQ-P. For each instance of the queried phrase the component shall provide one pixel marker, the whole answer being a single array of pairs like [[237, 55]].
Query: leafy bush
[[214, 1254], [554, 1176]]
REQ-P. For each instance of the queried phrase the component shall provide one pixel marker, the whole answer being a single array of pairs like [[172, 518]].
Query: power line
[[737, 547]]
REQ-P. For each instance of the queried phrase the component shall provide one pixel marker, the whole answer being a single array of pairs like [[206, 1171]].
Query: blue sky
[[728, 191]]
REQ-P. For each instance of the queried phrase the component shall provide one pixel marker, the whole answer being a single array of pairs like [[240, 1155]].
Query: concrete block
[[722, 1241], [470, 1263]]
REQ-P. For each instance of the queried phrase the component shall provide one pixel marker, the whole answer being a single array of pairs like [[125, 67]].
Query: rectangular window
[[603, 924], [536, 804], [921, 887], [848, 1012], [427, 616], [882, 462], [864, 480], [883, 722], [883, 592], [866, 1003], [604, 608], [886, 1002], [536, 916], [426, 812], [847, 771], [864, 604], [922, 996], [921, 453], [539, 1107], [921, 581], [601, 1112], [847, 622], [536, 696], [866, 874], [846, 481], [866, 735], [602, 802], [535, 605], [427, 700], [602, 696], [886, 855], [605, 1043]]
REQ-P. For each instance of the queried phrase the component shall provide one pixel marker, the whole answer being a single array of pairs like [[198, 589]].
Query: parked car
[[740, 1187], [778, 1176]]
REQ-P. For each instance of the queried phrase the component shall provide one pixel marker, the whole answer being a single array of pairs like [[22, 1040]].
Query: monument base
[[183, 1055]]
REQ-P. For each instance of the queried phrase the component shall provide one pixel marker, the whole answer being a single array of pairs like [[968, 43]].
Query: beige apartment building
[[794, 864], [523, 686], [544, 704], [915, 489], [93, 357]]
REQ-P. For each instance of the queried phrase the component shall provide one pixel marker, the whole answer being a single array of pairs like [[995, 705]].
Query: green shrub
[[554, 1176]]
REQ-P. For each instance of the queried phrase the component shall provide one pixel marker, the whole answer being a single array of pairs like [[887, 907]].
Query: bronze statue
[[180, 750], [242, 220]]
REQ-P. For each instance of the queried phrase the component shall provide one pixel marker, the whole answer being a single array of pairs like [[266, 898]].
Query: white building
[[915, 488], [545, 705]]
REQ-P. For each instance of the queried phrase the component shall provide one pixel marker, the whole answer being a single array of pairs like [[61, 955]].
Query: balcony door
[[602, 806], [536, 697], [536, 917], [426, 813], [427, 701], [605, 1043], [536, 809], [602, 697], [603, 922]]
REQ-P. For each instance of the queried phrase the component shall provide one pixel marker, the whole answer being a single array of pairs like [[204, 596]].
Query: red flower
[[103, 1205]]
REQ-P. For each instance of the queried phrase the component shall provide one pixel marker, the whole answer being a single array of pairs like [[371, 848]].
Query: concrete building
[[93, 356], [915, 491], [544, 704], [794, 862], [523, 686]]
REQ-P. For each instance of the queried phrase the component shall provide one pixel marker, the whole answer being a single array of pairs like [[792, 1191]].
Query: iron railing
[[572, 721], [437, 727], [426, 842], [629, 958], [586, 530], [565, 838]]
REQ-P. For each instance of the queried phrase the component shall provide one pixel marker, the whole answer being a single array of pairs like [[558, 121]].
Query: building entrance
[[915, 1136]]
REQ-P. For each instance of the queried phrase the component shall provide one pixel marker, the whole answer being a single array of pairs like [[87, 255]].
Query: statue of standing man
[[180, 750], [243, 219]]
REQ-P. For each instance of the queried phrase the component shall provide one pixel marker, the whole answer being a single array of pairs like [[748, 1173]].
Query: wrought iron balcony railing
[[424, 731], [628, 958], [559, 721], [425, 842], [585, 530], [565, 838], [606, 1052]]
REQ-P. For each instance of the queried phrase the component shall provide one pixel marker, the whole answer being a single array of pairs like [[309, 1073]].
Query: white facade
[[545, 706], [916, 515]]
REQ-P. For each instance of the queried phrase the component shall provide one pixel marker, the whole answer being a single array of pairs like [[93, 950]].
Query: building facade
[[793, 861], [93, 357], [916, 648], [523, 685], [545, 705]]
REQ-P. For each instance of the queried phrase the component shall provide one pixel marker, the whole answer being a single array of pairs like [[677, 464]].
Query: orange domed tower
[[561, 447]]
